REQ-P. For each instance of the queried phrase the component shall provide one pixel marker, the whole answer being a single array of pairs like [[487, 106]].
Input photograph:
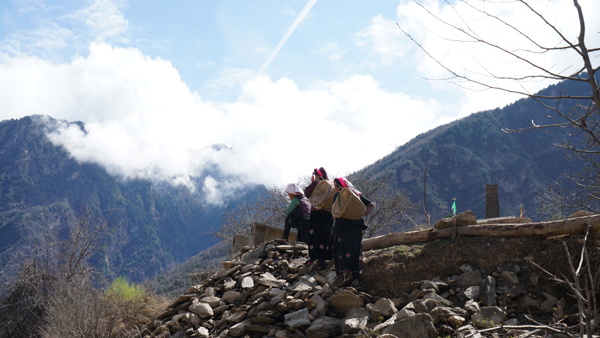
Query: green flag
[[454, 207]]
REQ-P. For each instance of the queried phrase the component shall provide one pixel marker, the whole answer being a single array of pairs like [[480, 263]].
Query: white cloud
[[333, 51], [383, 39], [143, 121], [103, 17]]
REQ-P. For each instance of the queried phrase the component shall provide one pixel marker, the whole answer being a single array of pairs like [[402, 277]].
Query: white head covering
[[294, 189]]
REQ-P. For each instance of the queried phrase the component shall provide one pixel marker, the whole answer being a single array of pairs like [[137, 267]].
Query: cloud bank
[[143, 121]]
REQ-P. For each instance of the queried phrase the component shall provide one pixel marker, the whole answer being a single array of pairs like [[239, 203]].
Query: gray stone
[[237, 317], [239, 329], [282, 334], [212, 301], [456, 317], [203, 332], [468, 331], [324, 327], [229, 284], [191, 319], [320, 279], [512, 321], [251, 256], [320, 305], [343, 301], [355, 321], [209, 292], [488, 316], [247, 282], [268, 279], [330, 277], [471, 306], [406, 312], [417, 326], [262, 320], [231, 297], [298, 263], [219, 310], [487, 291], [510, 277], [228, 272], [301, 286], [202, 309], [470, 278], [375, 314], [297, 318], [386, 307], [437, 298], [472, 293], [466, 268], [430, 285]]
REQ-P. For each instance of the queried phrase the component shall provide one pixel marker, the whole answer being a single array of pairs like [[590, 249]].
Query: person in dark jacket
[[297, 213], [347, 240], [320, 242]]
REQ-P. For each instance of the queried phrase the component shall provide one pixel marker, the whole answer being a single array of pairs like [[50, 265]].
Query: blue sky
[[284, 85]]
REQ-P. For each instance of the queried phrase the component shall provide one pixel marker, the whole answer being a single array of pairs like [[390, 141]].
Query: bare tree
[[394, 211], [578, 114], [56, 267], [268, 208], [582, 284], [485, 78]]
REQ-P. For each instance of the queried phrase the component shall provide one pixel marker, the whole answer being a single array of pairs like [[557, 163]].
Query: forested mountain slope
[[462, 157], [42, 190]]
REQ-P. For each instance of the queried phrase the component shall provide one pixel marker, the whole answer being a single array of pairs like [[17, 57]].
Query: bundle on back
[[348, 205], [322, 195]]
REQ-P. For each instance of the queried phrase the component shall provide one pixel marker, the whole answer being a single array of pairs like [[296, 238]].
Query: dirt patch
[[394, 271]]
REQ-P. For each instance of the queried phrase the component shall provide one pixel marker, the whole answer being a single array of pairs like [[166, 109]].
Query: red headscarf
[[344, 183]]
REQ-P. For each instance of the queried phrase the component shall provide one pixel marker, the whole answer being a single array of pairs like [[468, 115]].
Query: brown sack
[[322, 195], [464, 218], [348, 205]]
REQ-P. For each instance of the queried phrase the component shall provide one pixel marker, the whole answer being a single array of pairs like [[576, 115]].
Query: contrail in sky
[[287, 34]]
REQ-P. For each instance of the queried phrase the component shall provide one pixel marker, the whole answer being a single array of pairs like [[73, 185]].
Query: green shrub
[[123, 290]]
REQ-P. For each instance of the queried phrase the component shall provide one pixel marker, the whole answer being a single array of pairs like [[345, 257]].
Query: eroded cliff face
[[452, 287]]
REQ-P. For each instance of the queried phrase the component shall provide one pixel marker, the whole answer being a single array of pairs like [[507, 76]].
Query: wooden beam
[[544, 229]]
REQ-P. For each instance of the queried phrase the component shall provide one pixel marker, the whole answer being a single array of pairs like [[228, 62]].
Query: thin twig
[[521, 327]]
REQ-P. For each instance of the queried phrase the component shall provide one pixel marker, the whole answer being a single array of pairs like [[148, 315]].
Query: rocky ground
[[465, 287]]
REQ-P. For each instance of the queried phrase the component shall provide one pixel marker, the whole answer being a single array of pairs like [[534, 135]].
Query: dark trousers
[[320, 247], [302, 225], [347, 246]]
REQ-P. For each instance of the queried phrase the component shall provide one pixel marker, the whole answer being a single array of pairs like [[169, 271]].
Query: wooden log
[[544, 229]]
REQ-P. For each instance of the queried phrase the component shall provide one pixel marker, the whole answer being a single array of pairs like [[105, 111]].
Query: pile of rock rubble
[[269, 291]]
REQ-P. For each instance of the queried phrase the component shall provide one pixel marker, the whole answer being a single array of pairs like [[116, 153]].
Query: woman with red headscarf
[[347, 239], [320, 245]]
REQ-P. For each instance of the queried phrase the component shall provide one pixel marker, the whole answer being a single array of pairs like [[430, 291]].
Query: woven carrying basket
[[348, 205], [322, 195]]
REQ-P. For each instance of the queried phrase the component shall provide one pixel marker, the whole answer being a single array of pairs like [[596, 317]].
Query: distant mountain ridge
[[156, 226], [153, 226], [464, 156]]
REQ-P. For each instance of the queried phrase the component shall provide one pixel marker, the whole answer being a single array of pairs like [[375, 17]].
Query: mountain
[[154, 226], [462, 157], [43, 191]]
